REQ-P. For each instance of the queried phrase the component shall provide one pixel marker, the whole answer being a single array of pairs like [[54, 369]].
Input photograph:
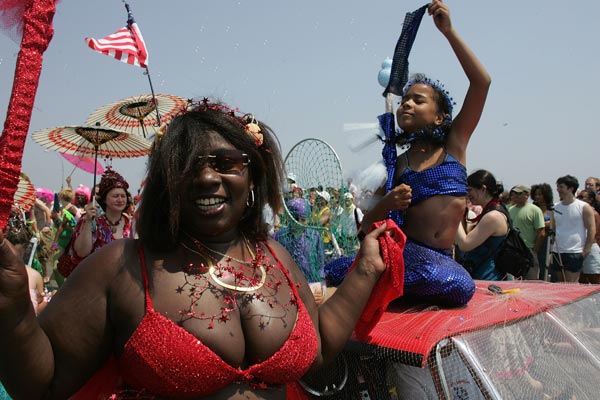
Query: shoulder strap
[[144, 275], [283, 269]]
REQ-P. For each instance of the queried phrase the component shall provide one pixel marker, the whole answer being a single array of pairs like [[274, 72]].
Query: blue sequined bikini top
[[448, 178]]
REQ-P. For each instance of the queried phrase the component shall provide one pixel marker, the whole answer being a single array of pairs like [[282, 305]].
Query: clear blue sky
[[306, 68]]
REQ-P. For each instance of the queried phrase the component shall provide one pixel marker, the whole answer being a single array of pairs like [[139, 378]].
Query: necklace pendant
[[113, 229], [203, 269]]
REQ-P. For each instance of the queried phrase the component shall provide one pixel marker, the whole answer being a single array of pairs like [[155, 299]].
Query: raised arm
[[84, 242], [53, 355], [491, 224], [479, 81], [26, 365], [340, 313]]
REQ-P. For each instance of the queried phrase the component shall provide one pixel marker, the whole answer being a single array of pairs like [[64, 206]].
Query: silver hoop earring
[[250, 199]]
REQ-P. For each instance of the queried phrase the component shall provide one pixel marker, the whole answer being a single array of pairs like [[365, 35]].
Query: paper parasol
[[137, 115], [84, 163], [25, 195], [92, 141]]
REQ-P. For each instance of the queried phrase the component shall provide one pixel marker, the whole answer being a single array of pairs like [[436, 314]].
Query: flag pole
[[147, 71]]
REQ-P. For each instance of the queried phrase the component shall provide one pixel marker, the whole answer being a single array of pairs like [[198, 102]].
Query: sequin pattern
[[37, 33], [164, 360], [448, 178], [434, 276]]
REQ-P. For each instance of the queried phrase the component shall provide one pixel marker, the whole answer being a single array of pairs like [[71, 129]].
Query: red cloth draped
[[391, 283], [37, 33]]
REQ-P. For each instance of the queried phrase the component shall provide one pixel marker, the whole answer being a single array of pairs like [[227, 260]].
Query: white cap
[[324, 194]]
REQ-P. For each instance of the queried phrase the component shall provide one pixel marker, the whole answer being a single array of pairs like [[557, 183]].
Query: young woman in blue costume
[[489, 232], [203, 304], [430, 178]]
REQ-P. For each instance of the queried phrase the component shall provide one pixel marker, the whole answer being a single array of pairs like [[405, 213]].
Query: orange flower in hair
[[253, 129]]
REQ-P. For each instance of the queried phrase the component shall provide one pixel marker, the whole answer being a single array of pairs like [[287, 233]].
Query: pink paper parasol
[[84, 163]]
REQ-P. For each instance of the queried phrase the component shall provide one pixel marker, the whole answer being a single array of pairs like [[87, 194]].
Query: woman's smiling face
[[216, 191]]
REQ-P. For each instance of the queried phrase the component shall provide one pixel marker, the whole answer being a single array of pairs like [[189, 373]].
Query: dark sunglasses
[[229, 162]]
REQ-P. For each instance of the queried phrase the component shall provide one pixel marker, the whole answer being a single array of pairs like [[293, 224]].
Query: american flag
[[126, 44]]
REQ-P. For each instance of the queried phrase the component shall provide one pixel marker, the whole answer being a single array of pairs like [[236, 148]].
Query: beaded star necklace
[[198, 284], [218, 271]]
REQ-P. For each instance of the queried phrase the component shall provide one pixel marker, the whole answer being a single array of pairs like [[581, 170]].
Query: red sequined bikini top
[[164, 360]]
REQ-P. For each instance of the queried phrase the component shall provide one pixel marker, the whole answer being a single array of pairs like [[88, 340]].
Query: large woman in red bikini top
[[168, 361]]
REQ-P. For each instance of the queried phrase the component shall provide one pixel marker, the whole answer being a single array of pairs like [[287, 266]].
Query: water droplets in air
[[161, 82]]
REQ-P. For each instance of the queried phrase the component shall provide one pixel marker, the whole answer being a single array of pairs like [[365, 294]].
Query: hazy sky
[[306, 68]]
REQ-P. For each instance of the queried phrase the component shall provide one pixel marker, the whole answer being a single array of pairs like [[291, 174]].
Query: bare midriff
[[434, 221]]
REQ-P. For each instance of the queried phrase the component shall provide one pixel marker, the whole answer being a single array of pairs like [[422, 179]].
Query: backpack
[[513, 256]]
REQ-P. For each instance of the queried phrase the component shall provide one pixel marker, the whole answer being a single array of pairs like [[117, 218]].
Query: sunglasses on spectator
[[580, 197], [228, 162]]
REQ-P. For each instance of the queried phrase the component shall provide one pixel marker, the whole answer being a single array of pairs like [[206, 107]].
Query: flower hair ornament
[[253, 129], [248, 121]]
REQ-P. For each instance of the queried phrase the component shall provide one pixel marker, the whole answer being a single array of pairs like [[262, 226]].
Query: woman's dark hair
[[441, 96], [80, 200], [546, 191], [594, 198], [481, 178], [175, 158]]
